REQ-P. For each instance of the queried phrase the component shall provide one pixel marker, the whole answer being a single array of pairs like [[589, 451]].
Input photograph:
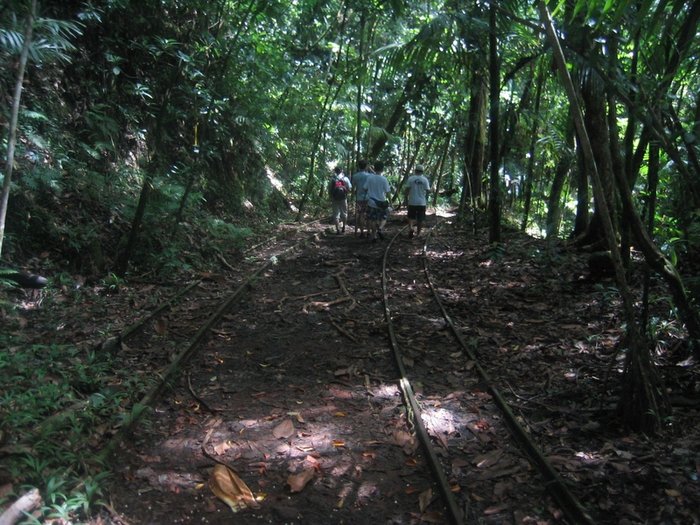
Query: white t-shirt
[[418, 187], [376, 187]]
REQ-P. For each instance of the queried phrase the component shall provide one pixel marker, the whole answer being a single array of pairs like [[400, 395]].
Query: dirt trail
[[297, 380], [297, 391]]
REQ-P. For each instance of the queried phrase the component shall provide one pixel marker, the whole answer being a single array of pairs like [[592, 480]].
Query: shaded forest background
[[145, 138], [131, 127], [139, 118]]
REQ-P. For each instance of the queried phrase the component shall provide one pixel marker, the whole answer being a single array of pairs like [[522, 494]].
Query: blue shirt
[[358, 181]]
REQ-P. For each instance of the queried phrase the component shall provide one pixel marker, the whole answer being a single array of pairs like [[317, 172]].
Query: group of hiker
[[370, 189]]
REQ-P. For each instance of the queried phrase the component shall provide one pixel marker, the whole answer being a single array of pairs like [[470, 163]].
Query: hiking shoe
[[410, 234], [381, 234], [343, 228]]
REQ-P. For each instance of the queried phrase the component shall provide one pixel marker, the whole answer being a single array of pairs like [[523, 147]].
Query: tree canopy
[[132, 119]]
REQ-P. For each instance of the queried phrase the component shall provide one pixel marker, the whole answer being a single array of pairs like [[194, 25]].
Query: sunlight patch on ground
[[447, 254], [590, 458], [29, 305], [314, 439], [439, 420], [445, 212], [385, 391]]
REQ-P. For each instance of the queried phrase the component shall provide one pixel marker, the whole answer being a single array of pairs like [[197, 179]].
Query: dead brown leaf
[[231, 489], [424, 499], [429, 517], [222, 447], [489, 459], [161, 326], [495, 509], [284, 430], [300, 418], [406, 441], [313, 462], [297, 482]]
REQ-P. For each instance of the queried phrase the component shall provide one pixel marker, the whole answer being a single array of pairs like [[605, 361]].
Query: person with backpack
[[358, 182], [376, 186], [339, 189], [417, 188]]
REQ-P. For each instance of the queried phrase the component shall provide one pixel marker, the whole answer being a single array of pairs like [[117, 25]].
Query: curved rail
[[456, 515], [190, 349], [570, 506]]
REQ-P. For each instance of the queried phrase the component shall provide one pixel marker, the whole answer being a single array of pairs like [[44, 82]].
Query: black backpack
[[339, 190]]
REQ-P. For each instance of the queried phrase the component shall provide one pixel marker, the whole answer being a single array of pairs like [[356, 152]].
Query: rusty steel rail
[[182, 357], [456, 515], [574, 512]]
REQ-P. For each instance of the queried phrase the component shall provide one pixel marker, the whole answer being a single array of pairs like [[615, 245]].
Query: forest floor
[[295, 390]]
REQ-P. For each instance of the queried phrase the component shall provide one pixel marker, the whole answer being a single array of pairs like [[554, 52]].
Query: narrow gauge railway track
[[164, 339], [477, 449], [297, 390]]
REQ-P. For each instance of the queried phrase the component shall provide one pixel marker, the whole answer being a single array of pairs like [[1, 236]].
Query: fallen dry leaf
[[297, 415], [297, 482], [161, 326], [313, 462], [284, 430], [222, 447], [429, 517], [406, 441], [231, 489], [424, 499], [489, 459], [672, 493], [496, 509]]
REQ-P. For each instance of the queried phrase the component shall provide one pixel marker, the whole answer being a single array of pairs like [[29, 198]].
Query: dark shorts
[[416, 213], [376, 214]]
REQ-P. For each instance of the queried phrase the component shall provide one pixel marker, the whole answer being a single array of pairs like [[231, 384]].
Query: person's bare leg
[[380, 229]]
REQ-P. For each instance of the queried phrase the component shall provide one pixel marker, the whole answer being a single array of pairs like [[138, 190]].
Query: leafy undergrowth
[[58, 400], [61, 395]]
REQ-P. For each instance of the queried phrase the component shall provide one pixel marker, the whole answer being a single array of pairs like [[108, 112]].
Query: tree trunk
[[583, 195], [652, 186], [495, 85], [411, 90], [597, 130], [642, 404], [14, 118], [554, 209], [617, 164], [527, 185], [360, 85], [437, 181], [474, 144], [122, 262], [309, 185], [661, 264]]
